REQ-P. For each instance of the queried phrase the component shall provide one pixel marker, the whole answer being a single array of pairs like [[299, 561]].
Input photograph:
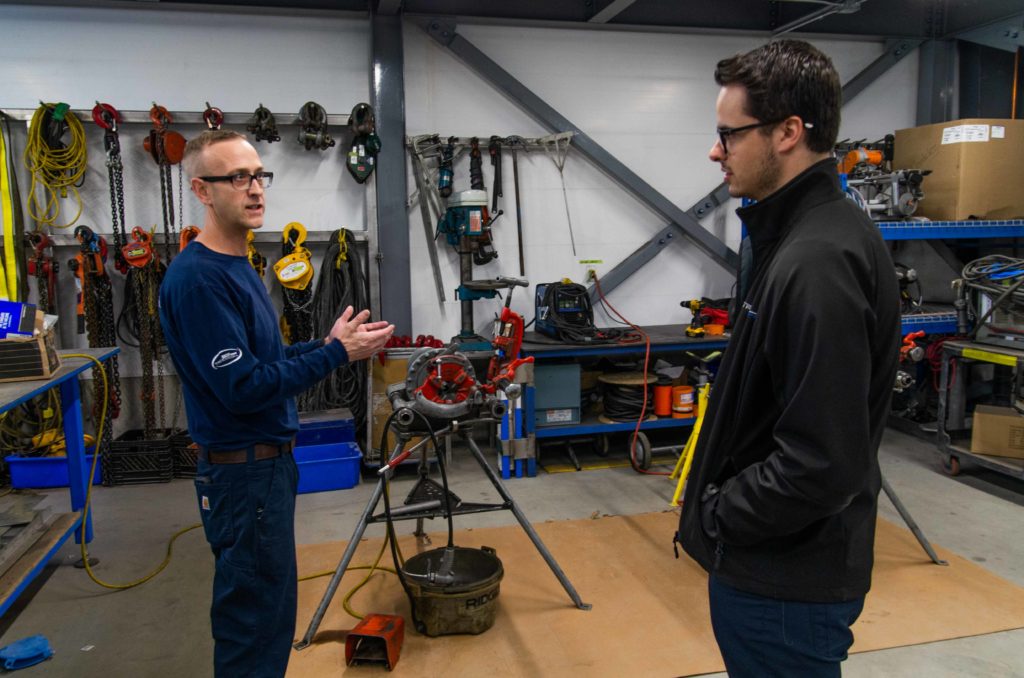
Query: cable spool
[[663, 397], [682, 402], [624, 395]]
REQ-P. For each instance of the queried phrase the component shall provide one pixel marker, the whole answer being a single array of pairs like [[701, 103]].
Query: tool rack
[[953, 437]]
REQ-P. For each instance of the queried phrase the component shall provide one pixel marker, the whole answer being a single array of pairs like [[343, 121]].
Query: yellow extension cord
[[170, 544], [56, 170]]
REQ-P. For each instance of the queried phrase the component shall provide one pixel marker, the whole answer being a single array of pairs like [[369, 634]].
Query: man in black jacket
[[781, 502]]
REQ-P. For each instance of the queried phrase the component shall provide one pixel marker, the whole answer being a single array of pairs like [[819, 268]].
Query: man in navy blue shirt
[[239, 383]]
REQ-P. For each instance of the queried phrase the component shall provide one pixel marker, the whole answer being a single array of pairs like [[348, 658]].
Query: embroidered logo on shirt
[[206, 503], [226, 357], [751, 313]]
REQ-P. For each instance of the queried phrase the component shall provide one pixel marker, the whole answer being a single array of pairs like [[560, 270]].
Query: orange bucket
[[682, 402]]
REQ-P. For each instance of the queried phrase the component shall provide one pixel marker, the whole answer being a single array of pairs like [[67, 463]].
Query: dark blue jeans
[[248, 513], [765, 637]]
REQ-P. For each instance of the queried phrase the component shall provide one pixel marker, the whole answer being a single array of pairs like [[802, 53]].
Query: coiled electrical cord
[[625, 403], [997, 276], [342, 283], [54, 166]]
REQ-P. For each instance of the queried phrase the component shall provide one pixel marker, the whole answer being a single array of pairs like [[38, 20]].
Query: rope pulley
[[362, 156], [263, 126], [313, 127]]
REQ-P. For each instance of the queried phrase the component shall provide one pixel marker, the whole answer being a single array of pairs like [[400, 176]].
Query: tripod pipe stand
[[422, 504]]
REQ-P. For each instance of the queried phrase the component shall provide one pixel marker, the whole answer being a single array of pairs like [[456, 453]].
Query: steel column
[[445, 34], [935, 82], [387, 87]]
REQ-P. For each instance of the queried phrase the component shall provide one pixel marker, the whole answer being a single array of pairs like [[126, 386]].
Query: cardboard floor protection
[[650, 611]]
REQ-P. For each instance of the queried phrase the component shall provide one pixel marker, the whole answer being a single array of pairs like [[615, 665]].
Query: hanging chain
[[181, 193], [115, 178], [167, 203], [140, 284]]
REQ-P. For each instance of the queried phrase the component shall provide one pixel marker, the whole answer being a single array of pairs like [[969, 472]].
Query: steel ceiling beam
[[614, 8], [388, 7], [445, 34], [895, 51]]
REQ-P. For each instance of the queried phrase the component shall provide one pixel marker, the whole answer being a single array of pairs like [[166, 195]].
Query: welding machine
[[563, 311]]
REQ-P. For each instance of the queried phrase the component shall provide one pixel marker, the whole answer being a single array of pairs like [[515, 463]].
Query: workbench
[[953, 437], [665, 339], [14, 582]]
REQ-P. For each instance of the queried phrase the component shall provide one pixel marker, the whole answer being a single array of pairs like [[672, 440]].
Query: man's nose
[[717, 153]]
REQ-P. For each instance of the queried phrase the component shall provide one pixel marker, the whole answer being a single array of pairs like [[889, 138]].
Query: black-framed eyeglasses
[[243, 180], [725, 132]]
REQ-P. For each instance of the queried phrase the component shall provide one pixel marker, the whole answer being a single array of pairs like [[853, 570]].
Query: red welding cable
[[647, 359]]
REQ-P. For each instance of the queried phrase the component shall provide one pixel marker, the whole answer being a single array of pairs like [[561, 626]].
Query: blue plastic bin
[[326, 426], [40, 472], [332, 466]]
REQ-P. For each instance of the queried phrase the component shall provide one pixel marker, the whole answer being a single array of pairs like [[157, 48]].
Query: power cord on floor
[[375, 567], [88, 492]]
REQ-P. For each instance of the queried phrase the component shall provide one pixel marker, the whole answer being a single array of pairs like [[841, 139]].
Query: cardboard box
[[35, 357], [976, 166], [998, 431]]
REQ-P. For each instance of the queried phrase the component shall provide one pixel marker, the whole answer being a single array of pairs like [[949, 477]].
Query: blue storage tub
[[40, 472], [332, 466], [325, 427]]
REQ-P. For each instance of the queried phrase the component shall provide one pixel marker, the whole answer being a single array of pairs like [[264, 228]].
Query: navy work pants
[[761, 636], [248, 513]]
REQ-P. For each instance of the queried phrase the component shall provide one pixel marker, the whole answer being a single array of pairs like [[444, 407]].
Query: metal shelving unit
[[923, 230]]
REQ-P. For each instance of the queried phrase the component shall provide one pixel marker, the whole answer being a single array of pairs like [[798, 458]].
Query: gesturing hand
[[360, 338]]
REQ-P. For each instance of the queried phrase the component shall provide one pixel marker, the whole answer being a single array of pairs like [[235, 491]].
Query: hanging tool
[[313, 127], [494, 149], [557, 146], [45, 270], [428, 198], [515, 143], [188, 234], [362, 156], [143, 281], [96, 308], [294, 271], [263, 125], [446, 174], [476, 169], [13, 266], [213, 116], [167, 148], [108, 118], [696, 328], [256, 260], [55, 166]]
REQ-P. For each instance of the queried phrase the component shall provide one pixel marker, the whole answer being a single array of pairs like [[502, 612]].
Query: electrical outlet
[[590, 269], [591, 275]]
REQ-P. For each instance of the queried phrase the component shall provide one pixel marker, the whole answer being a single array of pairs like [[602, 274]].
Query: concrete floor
[[162, 628]]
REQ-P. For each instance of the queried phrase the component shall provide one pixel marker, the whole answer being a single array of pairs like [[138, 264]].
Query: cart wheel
[[643, 451], [602, 445], [952, 465]]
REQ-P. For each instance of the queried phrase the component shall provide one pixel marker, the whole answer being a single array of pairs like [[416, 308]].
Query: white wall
[[646, 97]]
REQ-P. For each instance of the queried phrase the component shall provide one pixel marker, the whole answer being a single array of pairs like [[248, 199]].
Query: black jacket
[[782, 496]]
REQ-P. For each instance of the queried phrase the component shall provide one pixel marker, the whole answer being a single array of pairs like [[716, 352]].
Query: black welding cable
[[624, 403]]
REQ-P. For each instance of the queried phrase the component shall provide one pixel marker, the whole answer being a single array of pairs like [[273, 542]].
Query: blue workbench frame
[[15, 393]]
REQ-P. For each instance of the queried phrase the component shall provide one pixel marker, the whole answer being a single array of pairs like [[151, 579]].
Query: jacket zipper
[[719, 552]]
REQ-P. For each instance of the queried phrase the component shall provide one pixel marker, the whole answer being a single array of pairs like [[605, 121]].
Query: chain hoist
[[144, 280], [313, 127], [294, 271], [263, 125], [256, 260], [108, 118], [167, 148], [45, 269], [188, 234], [96, 309], [362, 156]]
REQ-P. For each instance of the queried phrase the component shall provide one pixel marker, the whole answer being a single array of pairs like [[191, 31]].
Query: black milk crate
[[185, 455], [132, 460]]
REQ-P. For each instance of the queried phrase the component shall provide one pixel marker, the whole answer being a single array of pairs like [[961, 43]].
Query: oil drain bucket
[[468, 602]]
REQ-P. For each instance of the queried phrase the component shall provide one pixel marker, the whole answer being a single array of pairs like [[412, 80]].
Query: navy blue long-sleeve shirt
[[238, 378]]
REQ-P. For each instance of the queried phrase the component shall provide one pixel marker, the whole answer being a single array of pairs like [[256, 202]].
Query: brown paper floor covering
[[650, 611]]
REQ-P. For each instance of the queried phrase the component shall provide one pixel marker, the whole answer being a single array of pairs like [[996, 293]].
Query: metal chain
[[167, 203], [115, 177], [140, 277], [181, 193], [42, 286]]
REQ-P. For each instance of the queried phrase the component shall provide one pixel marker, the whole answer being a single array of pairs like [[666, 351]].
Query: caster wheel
[[952, 466], [642, 453], [602, 446]]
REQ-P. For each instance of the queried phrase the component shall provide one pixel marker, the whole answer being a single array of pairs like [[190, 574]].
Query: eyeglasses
[[243, 180], [725, 132]]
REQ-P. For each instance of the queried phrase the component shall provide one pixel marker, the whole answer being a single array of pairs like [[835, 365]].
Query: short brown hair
[[194, 148], [789, 77]]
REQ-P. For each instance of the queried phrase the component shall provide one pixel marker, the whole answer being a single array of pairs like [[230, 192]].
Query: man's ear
[[202, 190], [792, 132]]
